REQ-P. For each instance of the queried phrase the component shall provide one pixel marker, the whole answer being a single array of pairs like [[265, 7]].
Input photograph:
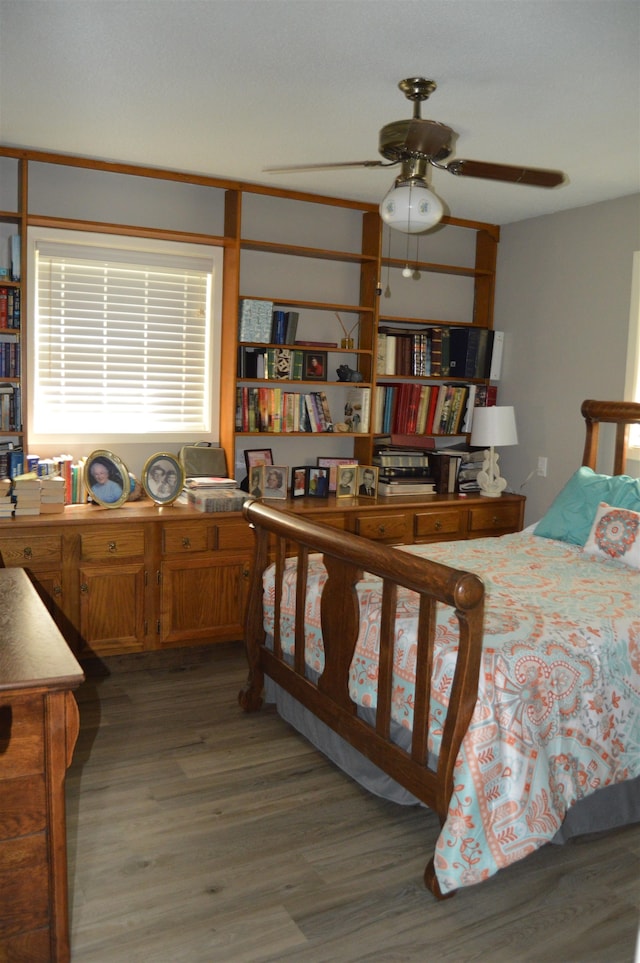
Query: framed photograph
[[106, 479], [163, 478], [333, 464], [274, 481], [256, 480], [254, 458], [314, 365], [367, 481], [299, 481], [318, 482], [346, 480]]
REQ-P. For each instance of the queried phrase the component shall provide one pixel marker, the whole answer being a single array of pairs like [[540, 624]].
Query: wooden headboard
[[621, 413]]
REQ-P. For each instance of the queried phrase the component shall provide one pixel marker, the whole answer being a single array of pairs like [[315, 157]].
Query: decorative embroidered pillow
[[615, 534]]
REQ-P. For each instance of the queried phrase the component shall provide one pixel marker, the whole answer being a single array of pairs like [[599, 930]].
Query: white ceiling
[[227, 87]]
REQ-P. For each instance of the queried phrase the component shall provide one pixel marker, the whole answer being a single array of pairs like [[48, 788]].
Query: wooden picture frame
[[299, 481], [106, 479], [255, 457], [163, 478], [347, 476], [314, 365], [367, 481], [333, 464]]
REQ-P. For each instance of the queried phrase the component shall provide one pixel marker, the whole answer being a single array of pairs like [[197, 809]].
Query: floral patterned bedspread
[[558, 711]]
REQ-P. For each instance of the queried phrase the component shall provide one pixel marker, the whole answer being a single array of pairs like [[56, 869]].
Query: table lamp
[[493, 427]]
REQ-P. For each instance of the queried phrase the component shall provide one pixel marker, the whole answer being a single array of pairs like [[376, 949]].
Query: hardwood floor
[[198, 834]]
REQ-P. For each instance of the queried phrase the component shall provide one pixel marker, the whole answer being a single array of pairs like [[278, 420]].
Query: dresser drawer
[[495, 518], [31, 550], [390, 527], [21, 736], [180, 539], [23, 807], [446, 523], [236, 534], [126, 543]]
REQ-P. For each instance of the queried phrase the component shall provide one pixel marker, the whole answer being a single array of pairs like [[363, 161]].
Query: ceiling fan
[[416, 143]]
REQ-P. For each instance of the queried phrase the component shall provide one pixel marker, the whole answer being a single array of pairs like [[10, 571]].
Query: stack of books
[[403, 472], [52, 494], [25, 491], [6, 503], [214, 494]]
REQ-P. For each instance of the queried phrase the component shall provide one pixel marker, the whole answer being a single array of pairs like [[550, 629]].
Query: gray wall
[[563, 299]]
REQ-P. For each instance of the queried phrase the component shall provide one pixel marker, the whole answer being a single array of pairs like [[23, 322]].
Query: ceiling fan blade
[[324, 167], [535, 176]]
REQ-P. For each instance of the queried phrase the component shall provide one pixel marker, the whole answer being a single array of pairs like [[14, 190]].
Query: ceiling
[[228, 87]]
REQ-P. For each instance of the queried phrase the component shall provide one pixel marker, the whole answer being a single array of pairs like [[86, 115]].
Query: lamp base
[[490, 494]]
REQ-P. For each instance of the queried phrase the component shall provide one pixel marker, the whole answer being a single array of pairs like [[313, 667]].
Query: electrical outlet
[[542, 466]]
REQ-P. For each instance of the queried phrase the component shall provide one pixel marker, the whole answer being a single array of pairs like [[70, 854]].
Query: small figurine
[[345, 373]]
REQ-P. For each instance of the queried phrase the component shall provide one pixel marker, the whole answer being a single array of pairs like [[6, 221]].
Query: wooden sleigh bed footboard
[[346, 559]]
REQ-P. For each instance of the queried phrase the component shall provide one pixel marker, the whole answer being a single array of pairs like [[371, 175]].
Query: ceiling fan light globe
[[411, 208]]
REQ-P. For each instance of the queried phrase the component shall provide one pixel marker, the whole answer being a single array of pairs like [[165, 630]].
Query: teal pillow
[[570, 517]]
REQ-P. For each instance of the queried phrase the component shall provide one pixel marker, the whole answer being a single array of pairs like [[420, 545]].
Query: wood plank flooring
[[198, 834]]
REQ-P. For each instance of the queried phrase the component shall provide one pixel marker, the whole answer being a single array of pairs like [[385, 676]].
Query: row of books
[[260, 322], [419, 410], [9, 308], [440, 352], [278, 364], [10, 408], [9, 356], [275, 410]]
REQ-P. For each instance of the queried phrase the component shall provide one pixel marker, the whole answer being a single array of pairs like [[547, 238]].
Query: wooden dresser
[[139, 577], [38, 732]]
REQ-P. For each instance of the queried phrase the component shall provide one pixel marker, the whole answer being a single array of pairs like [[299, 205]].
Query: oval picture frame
[[163, 477], [106, 478]]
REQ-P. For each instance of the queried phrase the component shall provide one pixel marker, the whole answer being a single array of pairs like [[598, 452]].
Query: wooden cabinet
[[138, 577], [204, 579], [38, 731]]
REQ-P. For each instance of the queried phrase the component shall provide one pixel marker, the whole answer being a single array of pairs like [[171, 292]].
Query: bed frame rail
[[346, 558]]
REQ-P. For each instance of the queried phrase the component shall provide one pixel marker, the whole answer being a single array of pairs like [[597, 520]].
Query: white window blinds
[[122, 340]]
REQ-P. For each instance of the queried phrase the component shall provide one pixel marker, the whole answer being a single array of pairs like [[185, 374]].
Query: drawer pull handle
[[57, 590], [186, 542], [381, 529], [113, 547], [28, 552], [495, 520], [84, 588], [245, 572], [438, 525]]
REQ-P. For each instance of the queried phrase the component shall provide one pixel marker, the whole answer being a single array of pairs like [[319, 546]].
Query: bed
[[495, 680]]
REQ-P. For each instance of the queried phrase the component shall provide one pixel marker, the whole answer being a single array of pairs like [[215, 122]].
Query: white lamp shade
[[494, 427], [411, 208]]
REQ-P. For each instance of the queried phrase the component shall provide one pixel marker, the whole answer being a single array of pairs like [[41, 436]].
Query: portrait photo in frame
[[314, 365], [256, 457], [299, 481], [367, 481], [163, 478], [318, 482], [346, 481], [106, 479], [333, 464], [274, 481]]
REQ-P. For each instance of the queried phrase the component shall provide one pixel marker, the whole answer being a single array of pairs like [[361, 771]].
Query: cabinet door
[[112, 607], [204, 598]]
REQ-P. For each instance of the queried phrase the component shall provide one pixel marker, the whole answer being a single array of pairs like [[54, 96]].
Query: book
[[418, 488], [255, 320], [317, 344], [357, 409], [495, 370], [444, 468]]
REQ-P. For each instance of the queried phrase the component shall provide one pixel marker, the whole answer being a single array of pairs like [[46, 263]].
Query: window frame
[[142, 245]]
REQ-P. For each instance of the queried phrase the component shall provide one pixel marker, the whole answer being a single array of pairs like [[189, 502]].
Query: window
[[632, 387], [124, 335]]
